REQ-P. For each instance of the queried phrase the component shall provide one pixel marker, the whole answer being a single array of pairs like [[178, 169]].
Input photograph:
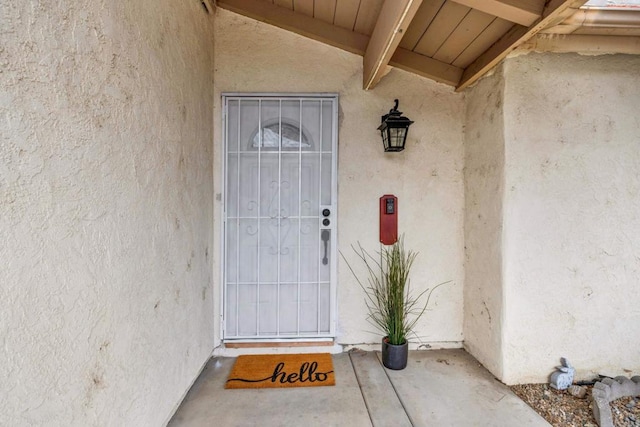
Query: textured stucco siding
[[105, 209], [109, 230], [427, 177], [572, 215], [484, 191]]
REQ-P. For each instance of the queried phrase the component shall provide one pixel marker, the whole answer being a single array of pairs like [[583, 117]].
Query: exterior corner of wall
[[483, 227]]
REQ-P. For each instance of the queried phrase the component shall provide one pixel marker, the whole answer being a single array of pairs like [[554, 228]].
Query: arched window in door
[[293, 137]]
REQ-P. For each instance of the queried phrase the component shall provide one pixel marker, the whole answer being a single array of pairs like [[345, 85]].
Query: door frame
[[333, 299]]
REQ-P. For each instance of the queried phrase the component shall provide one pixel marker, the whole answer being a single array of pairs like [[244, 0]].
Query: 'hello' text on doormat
[[282, 370]]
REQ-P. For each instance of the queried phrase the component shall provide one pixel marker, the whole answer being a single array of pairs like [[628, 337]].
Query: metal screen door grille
[[280, 219]]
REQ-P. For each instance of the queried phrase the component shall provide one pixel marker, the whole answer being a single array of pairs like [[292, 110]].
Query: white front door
[[280, 216]]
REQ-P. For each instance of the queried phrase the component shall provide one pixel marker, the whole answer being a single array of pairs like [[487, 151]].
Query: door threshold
[[280, 344]]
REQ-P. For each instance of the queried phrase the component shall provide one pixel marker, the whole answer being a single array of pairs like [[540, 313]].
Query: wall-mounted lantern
[[394, 129]]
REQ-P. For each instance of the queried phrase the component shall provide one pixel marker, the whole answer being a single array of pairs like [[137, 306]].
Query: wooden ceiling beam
[[426, 67], [298, 23], [393, 21], [555, 12], [522, 12]]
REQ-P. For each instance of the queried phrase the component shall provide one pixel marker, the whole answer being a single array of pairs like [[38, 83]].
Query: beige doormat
[[282, 370]]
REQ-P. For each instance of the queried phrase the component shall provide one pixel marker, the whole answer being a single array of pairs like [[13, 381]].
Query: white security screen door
[[280, 216]]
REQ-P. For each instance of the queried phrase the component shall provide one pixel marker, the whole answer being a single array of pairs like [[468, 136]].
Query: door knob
[[326, 212]]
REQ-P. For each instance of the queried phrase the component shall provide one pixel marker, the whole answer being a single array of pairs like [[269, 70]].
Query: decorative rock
[[577, 391], [602, 389], [608, 390]]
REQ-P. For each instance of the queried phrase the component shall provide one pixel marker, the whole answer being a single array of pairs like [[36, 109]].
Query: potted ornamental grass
[[393, 309]]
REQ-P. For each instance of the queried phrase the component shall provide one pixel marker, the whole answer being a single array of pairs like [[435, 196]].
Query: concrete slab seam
[[364, 399], [404, 408]]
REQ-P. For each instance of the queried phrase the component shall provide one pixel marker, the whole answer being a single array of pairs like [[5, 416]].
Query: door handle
[[324, 236]]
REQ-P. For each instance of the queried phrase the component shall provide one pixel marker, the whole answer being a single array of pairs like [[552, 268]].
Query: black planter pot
[[394, 356]]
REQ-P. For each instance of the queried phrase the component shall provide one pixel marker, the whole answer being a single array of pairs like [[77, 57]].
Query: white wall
[[552, 178], [484, 192], [427, 177], [571, 215], [105, 209]]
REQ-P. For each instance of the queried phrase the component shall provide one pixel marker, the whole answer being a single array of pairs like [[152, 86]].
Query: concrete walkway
[[438, 388]]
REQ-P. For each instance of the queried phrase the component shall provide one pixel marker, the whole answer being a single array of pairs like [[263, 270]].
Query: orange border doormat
[[282, 370]]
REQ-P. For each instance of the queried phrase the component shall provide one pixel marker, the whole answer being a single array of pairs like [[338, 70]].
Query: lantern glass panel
[[397, 137], [385, 138]]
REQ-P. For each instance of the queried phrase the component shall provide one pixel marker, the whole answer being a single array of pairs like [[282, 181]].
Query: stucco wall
[[427, 177], [572, 215], [484, 191], [105, 209]]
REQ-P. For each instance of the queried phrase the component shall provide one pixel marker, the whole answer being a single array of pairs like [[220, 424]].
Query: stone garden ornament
[[563, 377]]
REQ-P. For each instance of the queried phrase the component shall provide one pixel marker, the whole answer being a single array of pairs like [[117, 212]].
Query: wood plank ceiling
[[450, 41]]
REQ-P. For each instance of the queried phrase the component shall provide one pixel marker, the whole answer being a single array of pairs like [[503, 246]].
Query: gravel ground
[[562, 409]]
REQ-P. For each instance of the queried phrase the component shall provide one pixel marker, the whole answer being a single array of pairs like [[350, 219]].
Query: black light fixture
[[394, 129]]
